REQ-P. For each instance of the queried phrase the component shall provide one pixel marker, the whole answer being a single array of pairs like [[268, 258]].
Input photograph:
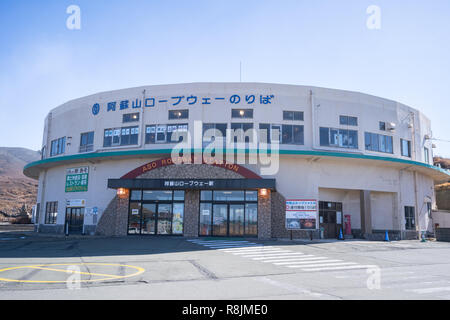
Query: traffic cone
[[386, 236], [341, 236]]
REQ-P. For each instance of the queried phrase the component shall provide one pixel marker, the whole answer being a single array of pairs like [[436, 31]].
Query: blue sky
[[131, 43]]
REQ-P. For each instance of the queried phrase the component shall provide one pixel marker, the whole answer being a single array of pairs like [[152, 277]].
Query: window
[[178, 114], [58, 147], [406, 148], [242, 113], [121, 136], [382, 126], [129, 136], [348, 121], [429, 210], [272, 132], [340, 138], [130, 117], [410, 223], [426, 154], [51, 212], [240, 132], [293, 115], [292, 134], [163, 133], [156, 212], [87, 142], [378, 142], [210, 130]]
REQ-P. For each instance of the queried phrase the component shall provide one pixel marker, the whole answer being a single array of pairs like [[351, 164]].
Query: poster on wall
[[77, 179], [301, 214]]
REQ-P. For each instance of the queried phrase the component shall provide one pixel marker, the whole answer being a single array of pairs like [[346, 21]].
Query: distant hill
[[16, 190]]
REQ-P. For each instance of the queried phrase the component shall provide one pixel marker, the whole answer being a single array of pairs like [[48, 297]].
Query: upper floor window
[[378, 142], [51, 212], [58, 147], [241, 133], [242, 113], [178, 114], [292, 134], [348, 121], [293, 115], [214, 131], [130, 117], [269, 132], [426, 153], [87, 142], [340, 138], [165, 133], [382, 126], [406, 148], [121, 136]]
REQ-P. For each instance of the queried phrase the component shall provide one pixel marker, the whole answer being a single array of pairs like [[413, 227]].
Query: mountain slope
[[16, 190]]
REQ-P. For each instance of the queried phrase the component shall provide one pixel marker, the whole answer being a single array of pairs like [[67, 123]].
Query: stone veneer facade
[[114, 219]]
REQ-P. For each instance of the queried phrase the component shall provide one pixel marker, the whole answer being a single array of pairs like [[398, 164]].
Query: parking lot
[[41, 267]]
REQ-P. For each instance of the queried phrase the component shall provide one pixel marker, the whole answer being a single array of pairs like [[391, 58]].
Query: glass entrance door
[[74, 220], [164, 218], [220, 220], [236, 224], [148, 218]]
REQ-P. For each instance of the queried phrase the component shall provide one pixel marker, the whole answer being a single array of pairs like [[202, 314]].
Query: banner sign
[[77, 179], [301, 214]]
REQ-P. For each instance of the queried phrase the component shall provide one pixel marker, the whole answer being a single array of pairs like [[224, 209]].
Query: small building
[[237, 160]]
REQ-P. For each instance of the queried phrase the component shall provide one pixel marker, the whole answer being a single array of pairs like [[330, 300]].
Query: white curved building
[[341, 161]]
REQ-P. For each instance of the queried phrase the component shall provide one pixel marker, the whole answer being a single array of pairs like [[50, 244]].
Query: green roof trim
[[94, 155]]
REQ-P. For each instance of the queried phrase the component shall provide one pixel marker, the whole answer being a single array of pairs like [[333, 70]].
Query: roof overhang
[[439, 175]]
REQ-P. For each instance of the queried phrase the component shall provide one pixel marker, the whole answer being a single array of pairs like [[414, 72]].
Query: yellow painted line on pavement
[[44, 267]]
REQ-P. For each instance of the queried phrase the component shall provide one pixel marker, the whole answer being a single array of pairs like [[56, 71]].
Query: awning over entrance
[[184, 184]]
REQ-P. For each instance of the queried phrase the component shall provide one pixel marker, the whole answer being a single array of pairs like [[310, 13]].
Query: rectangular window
[[406, 148], [178, 114], [340, 138], [382, 126], [107, 138], [121, 136], [58, 147], [242, 113], [51, 212], [213, 132], [378, 142], [130, 117], [129, 136], [426, 154], [177, 133], [240, 132], [293, 115], [410, 223], [348, 121], [87, 142], [292, 134]]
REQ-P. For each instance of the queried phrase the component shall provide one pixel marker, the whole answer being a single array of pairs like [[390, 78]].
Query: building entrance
[[156, 212], [74, 220], [228, 213], [330, 219]]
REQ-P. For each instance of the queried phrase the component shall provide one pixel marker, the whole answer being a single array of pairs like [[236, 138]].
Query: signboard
[[73, 203], [77, 179], [301, 214]]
